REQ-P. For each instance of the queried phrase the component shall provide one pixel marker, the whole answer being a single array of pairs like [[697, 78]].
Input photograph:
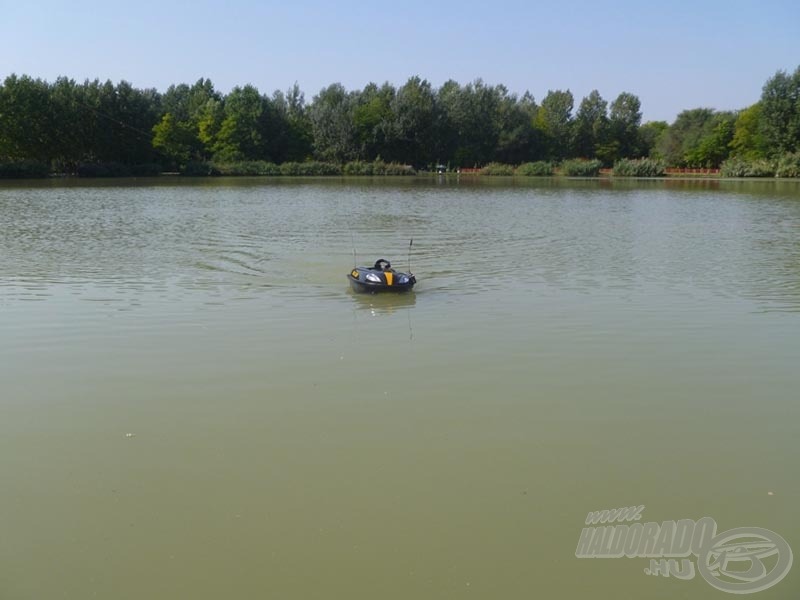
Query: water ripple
[[468, 240]]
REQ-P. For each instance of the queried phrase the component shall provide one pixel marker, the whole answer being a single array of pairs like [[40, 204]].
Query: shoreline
[[472, 177]]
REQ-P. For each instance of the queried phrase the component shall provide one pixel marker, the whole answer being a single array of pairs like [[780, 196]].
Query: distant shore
[[641, 168]]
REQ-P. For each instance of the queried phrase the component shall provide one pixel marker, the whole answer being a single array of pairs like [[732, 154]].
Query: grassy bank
[[787, 166]]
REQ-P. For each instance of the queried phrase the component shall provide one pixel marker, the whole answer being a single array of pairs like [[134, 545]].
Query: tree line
[[65, 126]]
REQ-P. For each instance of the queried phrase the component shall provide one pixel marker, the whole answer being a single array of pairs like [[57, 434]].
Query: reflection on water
[[384, 303], [571, 346]]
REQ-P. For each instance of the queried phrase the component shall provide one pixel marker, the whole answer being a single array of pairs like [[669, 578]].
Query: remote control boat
[[380, 277]]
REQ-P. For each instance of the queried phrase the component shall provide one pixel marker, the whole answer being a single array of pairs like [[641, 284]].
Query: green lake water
[[193, 404]]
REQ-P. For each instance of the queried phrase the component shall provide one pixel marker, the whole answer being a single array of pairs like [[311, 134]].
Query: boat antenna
[[409, 254], [353, 239]]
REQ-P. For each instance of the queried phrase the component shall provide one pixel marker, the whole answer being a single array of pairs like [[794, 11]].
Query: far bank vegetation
[[102, 129]]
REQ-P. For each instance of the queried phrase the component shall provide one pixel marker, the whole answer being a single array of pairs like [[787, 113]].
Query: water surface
[[193, 404]]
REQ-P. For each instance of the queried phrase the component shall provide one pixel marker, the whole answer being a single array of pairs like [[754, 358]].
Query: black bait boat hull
[[380, 278]]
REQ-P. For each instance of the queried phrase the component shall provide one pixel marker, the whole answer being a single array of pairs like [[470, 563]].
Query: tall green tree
[[275, 128], [517, 141], [25, 119], [591, 126], [413, 134], [241, 135], [472, 127], [780, 112], [121, 122], [649, 134], [447, 126], [184, 109], [713, 146], [66, 121], [685, 134], [554, 118], [209, 122], [300, 129], [175, 139], [373, 119], [334, 131], [748, 140], [625, 118]]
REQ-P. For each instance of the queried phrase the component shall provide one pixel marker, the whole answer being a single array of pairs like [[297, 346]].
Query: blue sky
[[673, 55]]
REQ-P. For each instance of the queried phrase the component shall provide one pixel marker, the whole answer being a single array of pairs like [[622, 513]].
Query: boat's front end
[[372, 281]]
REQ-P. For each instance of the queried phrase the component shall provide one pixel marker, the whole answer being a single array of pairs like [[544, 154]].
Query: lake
[[193, 404]]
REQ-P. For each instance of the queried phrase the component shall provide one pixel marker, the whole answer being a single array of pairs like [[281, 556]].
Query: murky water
[[194, 405]]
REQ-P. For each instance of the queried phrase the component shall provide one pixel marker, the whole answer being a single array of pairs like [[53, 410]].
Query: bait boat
[[380, 277]]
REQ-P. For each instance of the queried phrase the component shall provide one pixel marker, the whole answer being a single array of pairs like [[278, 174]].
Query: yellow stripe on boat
[[389, 277]]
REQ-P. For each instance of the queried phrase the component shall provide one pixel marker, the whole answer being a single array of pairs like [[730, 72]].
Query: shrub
[[24, 169], [734, 167], [393, 168], [641, 167], [290, 168], [581, 168], [320, 168], [377, 167], [535, 169], [739, 167], [788, 165], [245, 168], [358, 167], [497, 169], [761, 168], [310, 168]]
